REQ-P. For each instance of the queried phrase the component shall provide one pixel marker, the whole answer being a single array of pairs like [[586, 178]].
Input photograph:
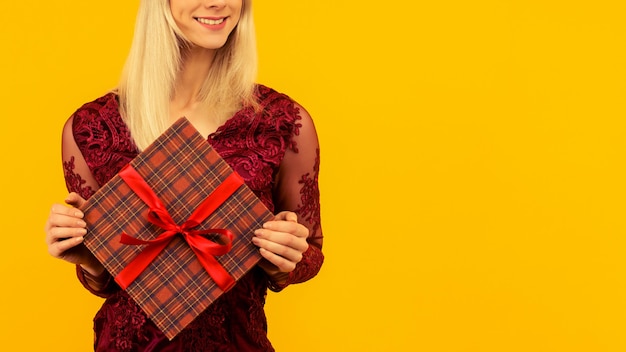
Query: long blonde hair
[[147, 82]]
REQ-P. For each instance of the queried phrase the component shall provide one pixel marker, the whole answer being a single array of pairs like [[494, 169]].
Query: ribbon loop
[[204, 248]]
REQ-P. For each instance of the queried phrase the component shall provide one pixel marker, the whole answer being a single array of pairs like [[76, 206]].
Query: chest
[[203, 121]]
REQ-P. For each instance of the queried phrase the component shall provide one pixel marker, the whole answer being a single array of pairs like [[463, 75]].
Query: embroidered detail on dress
[[103, 138], [254, 144], [310, 196], [208, 331], [74, 181], [258, 323], [126, 323]]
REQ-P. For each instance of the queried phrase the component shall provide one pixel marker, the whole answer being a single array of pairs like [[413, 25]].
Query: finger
[[64, 220], [59, 234], [65, 210], [281, 263], [293, 228], [74, 199], [283, 238], [57, 249], [289, 253], [286, 216]]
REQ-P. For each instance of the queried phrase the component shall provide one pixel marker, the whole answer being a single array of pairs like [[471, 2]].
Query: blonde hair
[[147, 83]]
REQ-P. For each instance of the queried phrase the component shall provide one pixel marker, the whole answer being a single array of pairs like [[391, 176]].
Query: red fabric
[[276, 152]]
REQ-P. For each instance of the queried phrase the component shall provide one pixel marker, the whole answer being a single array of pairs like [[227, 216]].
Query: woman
[[196, 59]]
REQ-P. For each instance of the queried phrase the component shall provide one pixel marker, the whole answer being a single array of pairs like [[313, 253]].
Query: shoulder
[[104, 107], [98, 125], [97, 117], [279, 107], [266, 95], [285, 114]]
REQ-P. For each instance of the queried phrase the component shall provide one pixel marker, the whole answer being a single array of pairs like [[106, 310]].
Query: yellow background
[[473, 175]]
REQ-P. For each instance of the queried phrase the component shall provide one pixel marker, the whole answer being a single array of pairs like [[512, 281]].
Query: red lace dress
[[276, 151]]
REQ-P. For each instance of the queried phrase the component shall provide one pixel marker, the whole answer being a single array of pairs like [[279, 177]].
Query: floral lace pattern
[[105, 142], [121, 320], [254, 144], [74, 181], [310, 205]]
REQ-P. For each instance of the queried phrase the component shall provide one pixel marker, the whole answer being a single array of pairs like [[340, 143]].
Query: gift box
[[174, 227]]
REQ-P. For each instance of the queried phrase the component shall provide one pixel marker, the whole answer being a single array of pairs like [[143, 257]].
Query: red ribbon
[[204, 248]]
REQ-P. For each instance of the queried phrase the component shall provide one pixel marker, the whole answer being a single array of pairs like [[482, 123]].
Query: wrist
[[93, 268], [273, 272]]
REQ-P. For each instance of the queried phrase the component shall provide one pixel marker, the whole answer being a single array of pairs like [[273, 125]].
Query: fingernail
[[257, 232], [79, 214], [79, 239], [83, 231], [81, 223]]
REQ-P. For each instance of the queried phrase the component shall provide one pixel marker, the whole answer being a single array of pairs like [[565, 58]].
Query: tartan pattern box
[[182, 169]]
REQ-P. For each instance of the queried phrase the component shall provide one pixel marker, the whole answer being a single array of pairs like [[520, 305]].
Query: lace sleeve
[[297, 190], [79, 179]]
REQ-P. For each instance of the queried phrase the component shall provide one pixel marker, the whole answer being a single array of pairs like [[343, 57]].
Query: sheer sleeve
[[79, 179], [296, 189]]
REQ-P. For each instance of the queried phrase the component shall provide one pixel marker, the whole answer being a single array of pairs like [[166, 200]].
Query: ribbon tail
[[139, 264], [217, 272]]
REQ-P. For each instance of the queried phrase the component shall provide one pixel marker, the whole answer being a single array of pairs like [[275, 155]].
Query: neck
[[194, 69]]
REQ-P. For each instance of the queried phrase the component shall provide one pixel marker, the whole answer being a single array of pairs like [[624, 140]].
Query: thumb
[[75, 200], [287, 216]]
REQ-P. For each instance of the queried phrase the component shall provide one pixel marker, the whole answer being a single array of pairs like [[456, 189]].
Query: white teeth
[[210, 22]]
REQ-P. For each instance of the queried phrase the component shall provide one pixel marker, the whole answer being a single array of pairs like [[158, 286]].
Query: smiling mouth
[[209, 21]]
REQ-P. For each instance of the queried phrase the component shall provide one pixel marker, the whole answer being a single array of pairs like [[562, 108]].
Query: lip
[[214, 27]]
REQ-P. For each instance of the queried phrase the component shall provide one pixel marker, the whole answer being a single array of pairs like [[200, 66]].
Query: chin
[[213, 45]]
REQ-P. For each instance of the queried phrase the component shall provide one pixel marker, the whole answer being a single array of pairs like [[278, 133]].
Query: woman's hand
[[282, 242], [65, 229]]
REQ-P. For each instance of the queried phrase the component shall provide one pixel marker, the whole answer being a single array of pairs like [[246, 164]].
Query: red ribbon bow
[[204, 248]]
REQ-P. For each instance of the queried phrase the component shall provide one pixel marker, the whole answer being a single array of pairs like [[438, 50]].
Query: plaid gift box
[[174, 227]]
